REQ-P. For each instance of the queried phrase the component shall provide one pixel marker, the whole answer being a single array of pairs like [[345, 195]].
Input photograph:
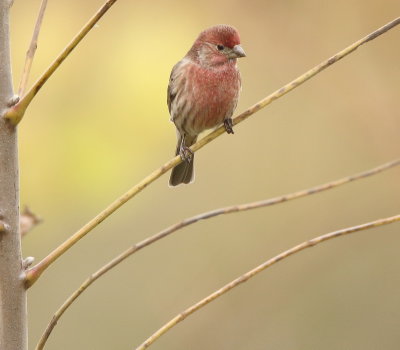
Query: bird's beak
[[238, 52]]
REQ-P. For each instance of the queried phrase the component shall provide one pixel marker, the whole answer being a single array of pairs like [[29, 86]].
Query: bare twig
[[207, 215], [34, 273], [32, 49], [307, 244], [16, 113], [27, 221]]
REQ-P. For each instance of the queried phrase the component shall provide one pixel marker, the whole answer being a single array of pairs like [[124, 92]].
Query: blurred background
[[101, 124]]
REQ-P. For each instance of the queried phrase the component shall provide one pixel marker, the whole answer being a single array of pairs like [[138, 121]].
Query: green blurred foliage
[[101, 124]]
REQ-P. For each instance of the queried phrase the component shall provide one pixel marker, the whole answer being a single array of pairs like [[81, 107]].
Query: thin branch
[[244, 278], [32, 49], [37, 270], [16, 113], [189, 221]]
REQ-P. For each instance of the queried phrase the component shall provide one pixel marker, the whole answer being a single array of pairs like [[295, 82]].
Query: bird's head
[[217, 45]]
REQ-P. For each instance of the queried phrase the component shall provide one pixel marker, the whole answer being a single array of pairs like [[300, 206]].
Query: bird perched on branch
[[203, 92]]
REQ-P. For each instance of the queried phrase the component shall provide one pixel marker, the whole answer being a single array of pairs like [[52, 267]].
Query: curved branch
[[207, 215], [16, 112], [34, 273], [244, 278], [32, 49]]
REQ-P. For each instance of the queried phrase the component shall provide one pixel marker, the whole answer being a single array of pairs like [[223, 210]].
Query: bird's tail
[[183, 172]]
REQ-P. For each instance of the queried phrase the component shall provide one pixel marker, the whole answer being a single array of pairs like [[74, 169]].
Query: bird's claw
[[186, 153], [228, 123]]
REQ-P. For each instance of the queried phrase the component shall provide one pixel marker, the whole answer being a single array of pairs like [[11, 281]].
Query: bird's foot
[[186, 153], [228, 123]]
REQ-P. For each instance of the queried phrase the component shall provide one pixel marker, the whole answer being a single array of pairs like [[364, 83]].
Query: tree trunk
[[13, 311]]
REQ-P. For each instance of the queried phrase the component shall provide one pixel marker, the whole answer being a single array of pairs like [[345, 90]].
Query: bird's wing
[[177, 82], [172, 91]]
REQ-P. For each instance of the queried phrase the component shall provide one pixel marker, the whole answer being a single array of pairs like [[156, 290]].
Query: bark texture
[[13, 312]]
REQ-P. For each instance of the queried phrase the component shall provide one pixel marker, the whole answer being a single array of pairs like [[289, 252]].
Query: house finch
[[203, 92]]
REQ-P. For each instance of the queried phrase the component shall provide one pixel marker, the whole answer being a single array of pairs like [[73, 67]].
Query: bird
[[203, 92]]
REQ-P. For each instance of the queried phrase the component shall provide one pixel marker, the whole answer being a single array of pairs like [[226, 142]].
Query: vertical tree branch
[[32, 49], [13, 314]]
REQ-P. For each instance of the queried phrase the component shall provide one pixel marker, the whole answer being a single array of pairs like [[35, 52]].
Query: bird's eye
[[220, 47]]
